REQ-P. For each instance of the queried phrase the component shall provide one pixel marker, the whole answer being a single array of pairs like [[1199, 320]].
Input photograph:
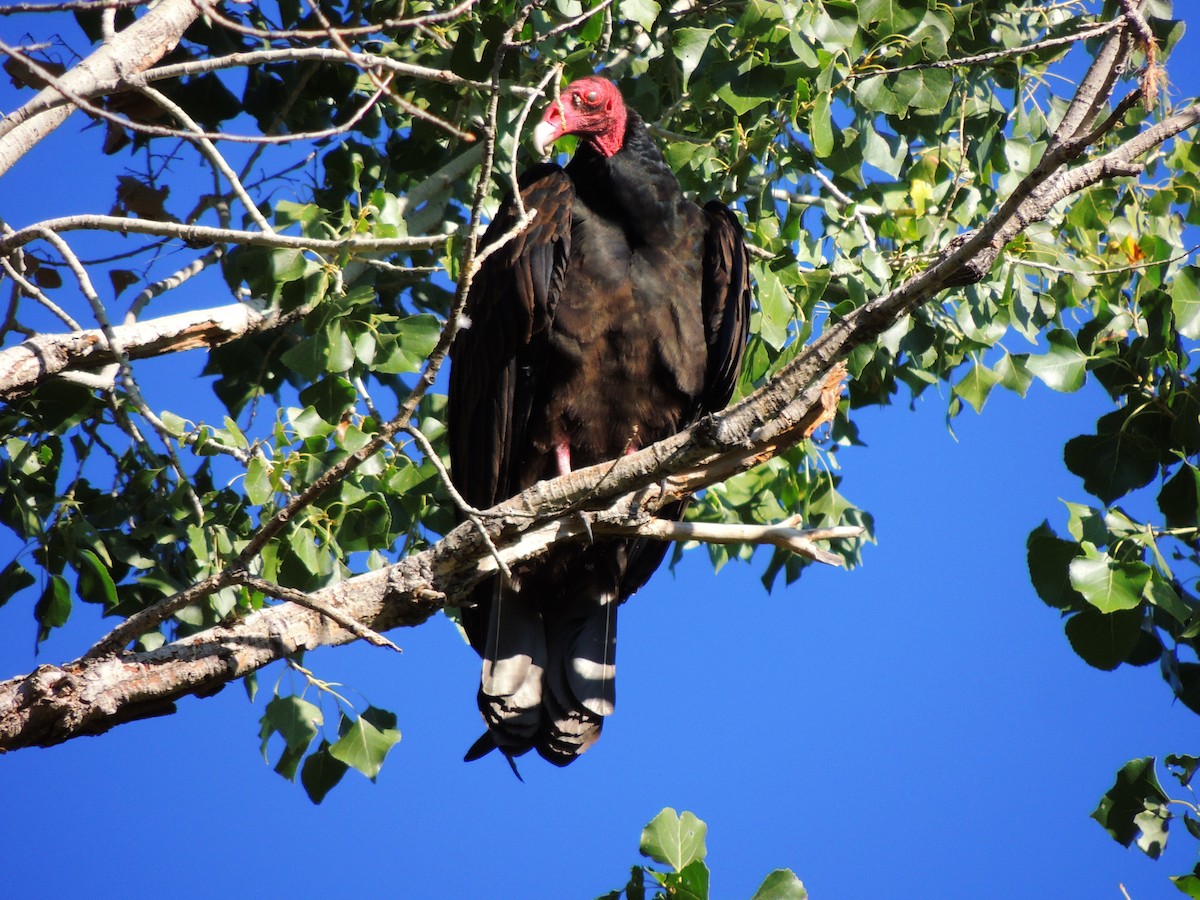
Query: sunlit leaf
[[674, 840]]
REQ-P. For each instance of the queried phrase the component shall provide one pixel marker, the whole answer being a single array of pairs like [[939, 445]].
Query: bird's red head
[[591, 108]]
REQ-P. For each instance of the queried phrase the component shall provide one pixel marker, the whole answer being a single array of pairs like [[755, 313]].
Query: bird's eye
[[592, 96]]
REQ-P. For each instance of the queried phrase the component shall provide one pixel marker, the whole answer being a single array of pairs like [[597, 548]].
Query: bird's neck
[[610, 141], [634, 185]]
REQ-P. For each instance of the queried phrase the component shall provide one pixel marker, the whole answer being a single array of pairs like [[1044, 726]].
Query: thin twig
[[36, 293], [191, 270], [12, 9], [354, 31], [83, 103], [204, 234], [1036, 47], [125, 370], [859, 214], [308, 601], [785, 535], [210, 152], [466, 509]]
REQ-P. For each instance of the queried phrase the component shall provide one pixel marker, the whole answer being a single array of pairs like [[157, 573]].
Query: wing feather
[[498, 355], [726, 304]]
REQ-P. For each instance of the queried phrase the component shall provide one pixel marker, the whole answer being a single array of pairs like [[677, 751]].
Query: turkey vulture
[[618, 317]]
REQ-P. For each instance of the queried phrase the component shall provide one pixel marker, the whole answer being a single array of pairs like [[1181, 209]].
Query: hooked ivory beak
[[544, 135]]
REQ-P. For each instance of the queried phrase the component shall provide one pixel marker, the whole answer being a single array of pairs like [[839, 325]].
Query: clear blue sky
[[916, 728]]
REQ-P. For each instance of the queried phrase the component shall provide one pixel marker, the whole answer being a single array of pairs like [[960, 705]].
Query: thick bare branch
[[28, 364]]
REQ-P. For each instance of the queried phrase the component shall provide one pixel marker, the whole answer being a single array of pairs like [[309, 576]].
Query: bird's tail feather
[[581, 677], [549, 673], [510, 690]]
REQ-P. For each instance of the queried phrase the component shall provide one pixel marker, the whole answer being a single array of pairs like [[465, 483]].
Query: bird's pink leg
[[562, 453]]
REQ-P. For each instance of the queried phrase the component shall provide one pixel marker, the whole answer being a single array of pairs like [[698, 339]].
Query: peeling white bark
[[28, 364]]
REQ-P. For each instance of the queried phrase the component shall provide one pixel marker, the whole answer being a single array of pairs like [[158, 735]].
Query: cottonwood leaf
[[364, 745], [1108, 584], [674, 840], [782, 884]]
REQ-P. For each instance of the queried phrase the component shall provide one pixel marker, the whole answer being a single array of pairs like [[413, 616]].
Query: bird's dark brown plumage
[[618, 317]]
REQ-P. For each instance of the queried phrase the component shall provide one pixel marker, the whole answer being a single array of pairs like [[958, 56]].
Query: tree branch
[[28, 364], [204, 234], [91, 695], [136, 48]]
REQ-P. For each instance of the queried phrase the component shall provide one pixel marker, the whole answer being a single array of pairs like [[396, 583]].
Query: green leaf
[[364, 745], [95, 583], [749, 90], [1152, 828], [411, 343], [258, 481], [1189, 885], [1179, 498], [1136, 792], [820, 126], [1063, 366], [891, 16], [341, 349], [330, 397], [1104, 641], [782, 884], [1185, 301], [976, 385], [886, 152], [688, 45], [690, 884], [674, 840], [14, 578], [1049, 558], [644, 12], [1160, 592], [321, 773], [295, 720], [53, 607], [1117, 459], [1107, 584], [366, 524], [1187, 766]]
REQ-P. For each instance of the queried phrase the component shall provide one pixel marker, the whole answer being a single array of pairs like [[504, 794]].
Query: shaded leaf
[[1104, 640], [321, 773], [14, 578], [1136, 790], [1049, 558]]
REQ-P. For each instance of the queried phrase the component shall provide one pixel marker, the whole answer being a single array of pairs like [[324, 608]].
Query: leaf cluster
[[677, 842], [855, 140]]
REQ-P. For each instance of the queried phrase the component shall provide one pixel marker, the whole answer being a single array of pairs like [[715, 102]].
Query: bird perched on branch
[[616, 318]]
